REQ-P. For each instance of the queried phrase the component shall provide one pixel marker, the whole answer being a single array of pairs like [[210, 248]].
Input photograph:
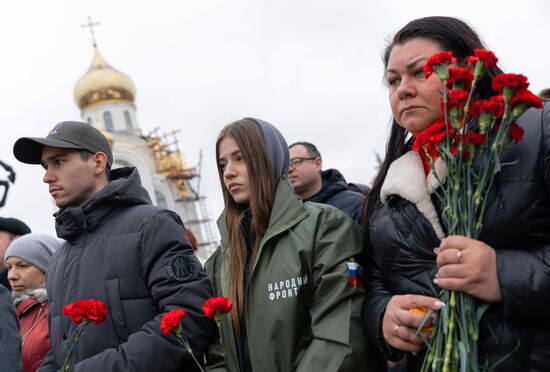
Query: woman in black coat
[[509, 266]]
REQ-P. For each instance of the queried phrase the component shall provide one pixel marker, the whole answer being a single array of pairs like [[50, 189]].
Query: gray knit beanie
[[36, 249]]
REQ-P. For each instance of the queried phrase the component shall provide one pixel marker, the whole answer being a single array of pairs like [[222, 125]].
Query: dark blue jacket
[[335, 192]]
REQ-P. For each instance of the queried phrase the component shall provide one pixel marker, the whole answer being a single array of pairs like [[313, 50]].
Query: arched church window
[[161, 200], [128, 120], [108, 120]]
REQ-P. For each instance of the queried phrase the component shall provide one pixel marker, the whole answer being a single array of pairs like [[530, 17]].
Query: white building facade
[[106, 99]]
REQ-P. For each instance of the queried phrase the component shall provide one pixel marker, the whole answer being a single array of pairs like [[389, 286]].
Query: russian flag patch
[[355, 274]]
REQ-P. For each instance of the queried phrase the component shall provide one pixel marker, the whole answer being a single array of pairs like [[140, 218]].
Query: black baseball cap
[[14, 226], [67, 135]]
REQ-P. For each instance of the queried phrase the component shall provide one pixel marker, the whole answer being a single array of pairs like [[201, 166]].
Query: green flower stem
[[185, 344], [77, 333], [447, 139], [468, 102], [450, 334]]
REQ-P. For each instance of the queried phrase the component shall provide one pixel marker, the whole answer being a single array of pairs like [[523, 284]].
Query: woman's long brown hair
[[248, 136]]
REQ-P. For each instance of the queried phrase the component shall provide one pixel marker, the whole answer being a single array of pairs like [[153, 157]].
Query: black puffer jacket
[[517, 226], [136, 258], [335, 192]]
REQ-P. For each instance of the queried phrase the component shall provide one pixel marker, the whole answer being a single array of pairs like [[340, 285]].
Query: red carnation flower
[[437, 59], [455, 98], [477, 138], [494, 106], [472, 137], [171, 320], [461, 76], [485, 56], [91, 310], [217, 305], [497, 99], [516, 132], [515, 81], [430, 138], [472, 60], [526, 97]]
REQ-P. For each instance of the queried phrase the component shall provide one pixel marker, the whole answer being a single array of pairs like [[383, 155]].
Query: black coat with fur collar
[[405, 229]]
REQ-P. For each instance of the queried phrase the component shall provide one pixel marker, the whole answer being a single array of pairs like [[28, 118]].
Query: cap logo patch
[[180, 267], [54, 129]]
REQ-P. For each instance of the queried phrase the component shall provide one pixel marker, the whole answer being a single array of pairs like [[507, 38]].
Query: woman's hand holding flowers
[[468, 265]]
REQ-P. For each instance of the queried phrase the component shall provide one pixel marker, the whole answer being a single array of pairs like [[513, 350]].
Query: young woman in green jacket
[[284, 263]]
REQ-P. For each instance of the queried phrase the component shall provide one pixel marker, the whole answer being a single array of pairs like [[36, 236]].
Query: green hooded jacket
[[302, 311]]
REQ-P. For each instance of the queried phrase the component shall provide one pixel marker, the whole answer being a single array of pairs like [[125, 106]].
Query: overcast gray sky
[[310, 67]]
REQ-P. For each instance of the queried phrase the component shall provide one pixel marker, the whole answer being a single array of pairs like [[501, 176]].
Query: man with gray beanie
[[10, 229], [120, 250]]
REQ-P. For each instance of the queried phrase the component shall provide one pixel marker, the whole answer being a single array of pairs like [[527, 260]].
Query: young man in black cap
[[121, 250], [10, 229]]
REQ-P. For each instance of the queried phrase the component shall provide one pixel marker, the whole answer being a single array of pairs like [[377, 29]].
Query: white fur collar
[[39, 294], [406, 179]]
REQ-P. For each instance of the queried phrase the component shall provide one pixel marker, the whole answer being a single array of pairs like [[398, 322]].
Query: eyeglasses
[[295, 162]]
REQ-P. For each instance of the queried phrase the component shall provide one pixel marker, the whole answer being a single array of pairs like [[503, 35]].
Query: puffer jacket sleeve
[[10, 339], [399, 250], [524, 274], [164, 239], [377, 296], [215, 358], [335, 303], [215, 361], [48, 364]]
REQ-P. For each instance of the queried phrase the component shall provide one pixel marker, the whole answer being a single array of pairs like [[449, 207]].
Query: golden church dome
[[102, 82]]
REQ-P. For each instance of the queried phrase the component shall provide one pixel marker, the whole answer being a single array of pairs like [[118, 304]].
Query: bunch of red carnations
[[468, 129]]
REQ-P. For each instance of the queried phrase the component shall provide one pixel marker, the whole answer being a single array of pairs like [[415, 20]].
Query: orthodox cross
[[91, 25]]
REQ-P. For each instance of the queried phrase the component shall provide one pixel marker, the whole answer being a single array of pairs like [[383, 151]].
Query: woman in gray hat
[[27, 260]]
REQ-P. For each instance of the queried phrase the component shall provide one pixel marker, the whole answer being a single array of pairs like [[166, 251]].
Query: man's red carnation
[[516, 81], [516, 132], [437, 59], [217, 304], [460, 74], [526, 97], [92, 310], [494, 106], [171, 320]]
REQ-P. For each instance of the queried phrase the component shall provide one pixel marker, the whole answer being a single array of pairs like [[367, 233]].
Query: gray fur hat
[[36, 249]]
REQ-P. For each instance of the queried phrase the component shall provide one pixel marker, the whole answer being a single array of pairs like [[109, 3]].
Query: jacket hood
[[333, 183], [124, 189], [276, 148]]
